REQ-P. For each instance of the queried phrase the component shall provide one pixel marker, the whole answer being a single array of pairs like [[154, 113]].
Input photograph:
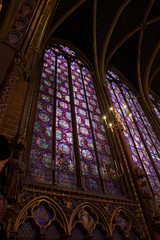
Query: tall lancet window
[[142, 141], [69, 146], [156, 105]]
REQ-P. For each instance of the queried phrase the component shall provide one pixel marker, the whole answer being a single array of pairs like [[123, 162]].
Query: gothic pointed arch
[[91, 220], [124, 223], [69, 145], [41, 215]]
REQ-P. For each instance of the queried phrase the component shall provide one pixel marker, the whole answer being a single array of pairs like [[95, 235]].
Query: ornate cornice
[[39, 189]]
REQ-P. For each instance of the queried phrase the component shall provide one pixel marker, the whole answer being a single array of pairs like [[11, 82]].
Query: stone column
[[66, 237], [13, 236], [109, 238], [12, 95], [40, 236], [89, 238]]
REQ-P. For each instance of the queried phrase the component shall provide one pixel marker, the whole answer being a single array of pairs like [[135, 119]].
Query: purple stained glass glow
[[65, 175], [157, 112], [156, 104], [90, 179], [42, 135], [67, 50], [136, 128], [53, 137], [107, 168], [88, 105]]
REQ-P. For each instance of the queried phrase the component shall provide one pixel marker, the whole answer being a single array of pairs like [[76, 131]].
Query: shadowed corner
[[5, 150]]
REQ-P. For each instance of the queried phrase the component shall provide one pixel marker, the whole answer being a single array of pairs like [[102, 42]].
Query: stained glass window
[[69, 140], [142, 141], [156, 104]]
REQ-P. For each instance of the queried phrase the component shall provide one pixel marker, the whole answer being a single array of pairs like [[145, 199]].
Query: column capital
[[66, 237], [109, 238]]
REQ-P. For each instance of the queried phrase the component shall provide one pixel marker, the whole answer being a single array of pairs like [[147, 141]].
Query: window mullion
[[75, 135], [54, 123], [94, 142]]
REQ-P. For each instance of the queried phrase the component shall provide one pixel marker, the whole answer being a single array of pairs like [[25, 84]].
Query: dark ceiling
[[3, 12], [120, 33], [78, 28]]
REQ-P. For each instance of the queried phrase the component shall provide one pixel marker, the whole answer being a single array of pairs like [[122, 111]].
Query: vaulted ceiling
[[124, 34], [120, 33]]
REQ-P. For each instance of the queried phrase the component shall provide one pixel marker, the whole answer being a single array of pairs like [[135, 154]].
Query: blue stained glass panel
[[45, 98], [42, 215], [64, 124]]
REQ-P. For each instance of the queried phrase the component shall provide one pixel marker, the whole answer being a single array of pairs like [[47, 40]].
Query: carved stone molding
[[20, 60], [38, 190]]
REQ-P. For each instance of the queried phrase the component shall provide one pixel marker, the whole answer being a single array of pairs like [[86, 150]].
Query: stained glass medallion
[[87, 154], [63, 105], [48, 83], [69, 137], [64, 124], [47, 161], [42, 142], [79, 96], [84, 130], [82, 112], [44, 117]]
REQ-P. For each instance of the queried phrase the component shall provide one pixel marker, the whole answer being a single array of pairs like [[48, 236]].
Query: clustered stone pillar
[[12, 94]]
